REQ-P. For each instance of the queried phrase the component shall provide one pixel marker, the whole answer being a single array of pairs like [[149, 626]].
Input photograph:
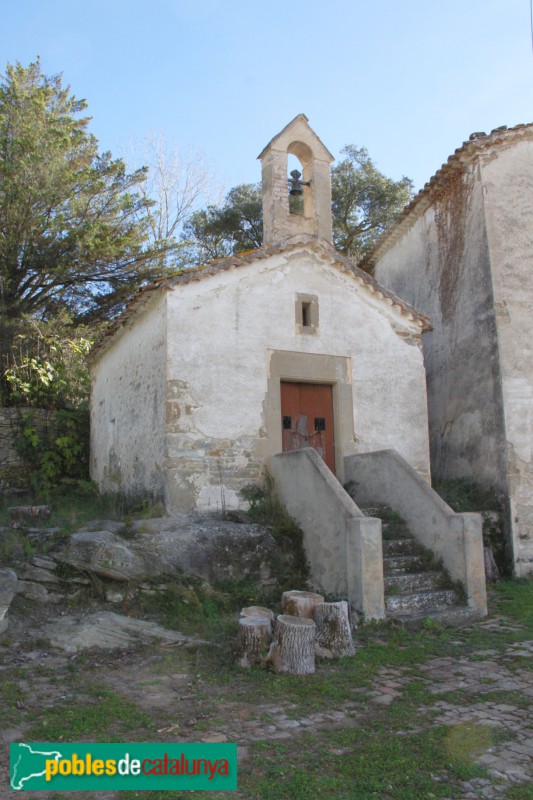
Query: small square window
[[306, 308], [287, 423], [320, 423]]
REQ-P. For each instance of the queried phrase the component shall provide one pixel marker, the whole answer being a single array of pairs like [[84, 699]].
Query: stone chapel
[[288, 358], [210, 371]]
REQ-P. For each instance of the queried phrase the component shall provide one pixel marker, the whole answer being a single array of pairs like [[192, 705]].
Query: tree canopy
[[72, 223], [219, 231], [364, 203]]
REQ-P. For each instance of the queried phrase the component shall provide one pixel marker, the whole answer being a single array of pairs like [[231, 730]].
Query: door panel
[[307, 419]]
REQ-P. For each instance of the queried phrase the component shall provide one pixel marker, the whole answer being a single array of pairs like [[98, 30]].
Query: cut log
[[333, 630], [255, 634], [300, 604], [293, 647], [257, 611], [492, 573]]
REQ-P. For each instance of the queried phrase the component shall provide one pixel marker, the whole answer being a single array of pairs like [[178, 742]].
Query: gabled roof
[[477, 144], [298, 121], [319, 246]]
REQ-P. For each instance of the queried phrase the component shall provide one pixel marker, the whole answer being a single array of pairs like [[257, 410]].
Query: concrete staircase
[[417, 588]]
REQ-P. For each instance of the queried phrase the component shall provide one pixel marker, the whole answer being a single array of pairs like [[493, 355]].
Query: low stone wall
[[13, 470], [385, 478], [343, 546]]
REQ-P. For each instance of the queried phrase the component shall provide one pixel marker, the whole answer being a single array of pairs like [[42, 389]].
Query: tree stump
[[333, 628], [293, 647], [257, 611], [300, 604], [492, 573], [255, 634]]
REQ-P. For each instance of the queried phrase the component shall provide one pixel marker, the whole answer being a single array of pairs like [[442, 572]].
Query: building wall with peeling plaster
[[507, 177], [466, 262], [220, 332], [213, 366], [128, 408]]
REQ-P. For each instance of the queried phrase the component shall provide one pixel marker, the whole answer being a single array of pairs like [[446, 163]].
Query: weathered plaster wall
[[128, 407], [442, 267], [508, 192], [222, 332]]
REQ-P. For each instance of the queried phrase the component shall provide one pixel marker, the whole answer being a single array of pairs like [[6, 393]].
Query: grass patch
[[366, 762], [515, 599], [74, 503], [14, 545], [10, 695], [107, 717], [520, 791]]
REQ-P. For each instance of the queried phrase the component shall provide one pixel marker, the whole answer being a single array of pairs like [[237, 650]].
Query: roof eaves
[[322, 247], [475, 145]]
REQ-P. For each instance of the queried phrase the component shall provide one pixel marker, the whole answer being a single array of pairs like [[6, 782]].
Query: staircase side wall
[[385, 478], [343, 547]]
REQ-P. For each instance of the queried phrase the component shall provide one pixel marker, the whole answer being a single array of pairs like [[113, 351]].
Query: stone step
[[451, 616], [425, 600], [376, 511], [397, 565], [412, 582], [400, 547]]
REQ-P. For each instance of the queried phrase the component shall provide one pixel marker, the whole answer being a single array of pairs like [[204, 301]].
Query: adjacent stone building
[[211, 371], [462, 252]]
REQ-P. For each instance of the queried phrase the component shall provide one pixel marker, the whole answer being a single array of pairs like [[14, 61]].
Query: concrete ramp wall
[[342, 545], [385, 478]]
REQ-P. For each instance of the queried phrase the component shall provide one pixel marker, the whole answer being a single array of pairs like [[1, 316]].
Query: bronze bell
[[295, 184]]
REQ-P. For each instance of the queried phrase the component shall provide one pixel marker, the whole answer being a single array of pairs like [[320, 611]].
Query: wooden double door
[[307, 419]]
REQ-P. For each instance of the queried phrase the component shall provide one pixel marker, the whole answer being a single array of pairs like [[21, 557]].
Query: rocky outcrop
[[8, 588], [215, 550], [108, 631], [103, 553]]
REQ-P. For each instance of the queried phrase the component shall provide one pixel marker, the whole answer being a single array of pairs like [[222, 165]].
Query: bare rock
[[105, 554], [37, 592], [32, 573], [112, 596], [8, 588], [108, 631], [111, 525], [44, 563], [218, 551]]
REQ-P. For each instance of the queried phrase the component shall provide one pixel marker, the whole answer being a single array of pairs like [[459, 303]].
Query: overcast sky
[[408, 80]]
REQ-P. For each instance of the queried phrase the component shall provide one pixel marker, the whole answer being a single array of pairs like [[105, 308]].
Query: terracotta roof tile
[[320, 246]]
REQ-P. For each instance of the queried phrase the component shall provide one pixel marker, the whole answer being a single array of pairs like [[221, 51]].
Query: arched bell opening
[[296, 189], [299, 160]]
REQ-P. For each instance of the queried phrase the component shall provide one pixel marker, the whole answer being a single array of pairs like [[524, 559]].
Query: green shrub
[[56, 450], [267, 509]]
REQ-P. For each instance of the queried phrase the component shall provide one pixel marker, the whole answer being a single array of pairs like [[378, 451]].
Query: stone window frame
[[306, 313]]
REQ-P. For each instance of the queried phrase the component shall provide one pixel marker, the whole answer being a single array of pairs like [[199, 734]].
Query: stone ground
[[185, 706]]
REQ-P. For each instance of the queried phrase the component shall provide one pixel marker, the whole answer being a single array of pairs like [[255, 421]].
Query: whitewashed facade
[[186, 387]]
